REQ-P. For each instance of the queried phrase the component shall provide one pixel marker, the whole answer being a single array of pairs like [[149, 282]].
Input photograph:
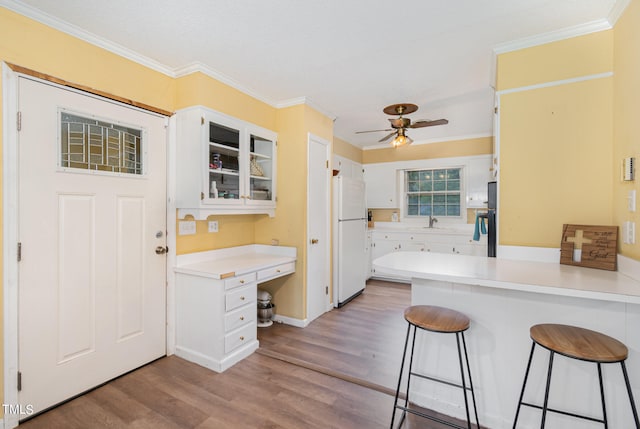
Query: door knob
[[314, 241], [161, 250]]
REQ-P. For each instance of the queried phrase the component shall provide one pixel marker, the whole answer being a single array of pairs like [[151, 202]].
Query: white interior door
[[91, 283], [318, 215]]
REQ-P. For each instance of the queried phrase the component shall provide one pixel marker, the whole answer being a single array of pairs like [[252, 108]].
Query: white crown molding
[[555, 83], [72, 30], [309, 102], [553, 36], [429, 141], [204, 69], [617, 10]]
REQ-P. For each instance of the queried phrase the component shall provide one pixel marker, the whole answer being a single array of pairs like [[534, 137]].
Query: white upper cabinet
[[347, 167], [381, 185], [223, 165]]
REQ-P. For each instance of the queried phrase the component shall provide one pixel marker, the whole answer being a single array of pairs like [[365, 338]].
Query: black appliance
[[492, 204]]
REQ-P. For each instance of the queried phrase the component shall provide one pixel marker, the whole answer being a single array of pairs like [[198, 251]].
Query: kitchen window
[[433, 192]]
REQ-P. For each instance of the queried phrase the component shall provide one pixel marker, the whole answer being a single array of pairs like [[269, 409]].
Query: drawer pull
[[242, 338], [277, 271], [241, 317], [242, 298], [241, 281]]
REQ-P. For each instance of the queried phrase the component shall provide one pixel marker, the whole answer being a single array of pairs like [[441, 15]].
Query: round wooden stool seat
[[579, 343], [436, 319]]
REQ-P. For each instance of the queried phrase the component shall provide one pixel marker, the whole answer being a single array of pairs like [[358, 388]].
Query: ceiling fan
[[400, 124]]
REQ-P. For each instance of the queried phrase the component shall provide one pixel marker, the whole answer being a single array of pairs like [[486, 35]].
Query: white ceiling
[[349, 58]]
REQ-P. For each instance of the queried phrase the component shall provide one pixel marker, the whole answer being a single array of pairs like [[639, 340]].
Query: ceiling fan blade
[[422, 124], [373, 131], [384, 139]]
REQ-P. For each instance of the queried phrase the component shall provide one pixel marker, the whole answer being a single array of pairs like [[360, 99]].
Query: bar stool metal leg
[[524, 384], [464, 384], [404, 355], [604, 407], [546, 392], [633, 404], [473, 396]]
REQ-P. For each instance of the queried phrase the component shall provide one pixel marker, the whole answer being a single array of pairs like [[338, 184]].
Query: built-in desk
[[504, 298], [216, 307]]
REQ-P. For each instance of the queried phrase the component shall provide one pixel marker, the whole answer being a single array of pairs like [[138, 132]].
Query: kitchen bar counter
[[504, 298], [525, 276]]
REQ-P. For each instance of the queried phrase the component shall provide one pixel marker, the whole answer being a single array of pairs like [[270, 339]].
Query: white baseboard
[[298, 323]]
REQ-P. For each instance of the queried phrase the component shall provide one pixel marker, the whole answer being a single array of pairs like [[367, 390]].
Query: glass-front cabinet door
[[223, 164], [261, 185]]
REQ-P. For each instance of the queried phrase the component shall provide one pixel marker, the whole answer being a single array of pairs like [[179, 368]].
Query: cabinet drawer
[[277, 271], [239, 280], [241, 296], [240, 317], [239, 337]]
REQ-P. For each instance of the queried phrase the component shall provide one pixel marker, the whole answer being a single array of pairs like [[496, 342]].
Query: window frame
[[461, 217]]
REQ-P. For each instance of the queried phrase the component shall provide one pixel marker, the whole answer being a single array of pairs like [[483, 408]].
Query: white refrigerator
[[349, 239]]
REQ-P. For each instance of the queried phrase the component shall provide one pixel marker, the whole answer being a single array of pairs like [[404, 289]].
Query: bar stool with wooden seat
[[441, 320], [582, 344]]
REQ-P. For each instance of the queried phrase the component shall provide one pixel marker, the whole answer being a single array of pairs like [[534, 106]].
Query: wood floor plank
[[344, 356]]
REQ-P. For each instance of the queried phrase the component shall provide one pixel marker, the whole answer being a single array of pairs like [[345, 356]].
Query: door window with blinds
[[433, 192], [95, 145]]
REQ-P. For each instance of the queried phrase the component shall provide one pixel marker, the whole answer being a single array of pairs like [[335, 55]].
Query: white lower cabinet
[[216, 319]]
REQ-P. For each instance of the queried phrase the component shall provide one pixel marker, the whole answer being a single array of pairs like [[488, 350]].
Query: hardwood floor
[[362, 340], [342, 364]]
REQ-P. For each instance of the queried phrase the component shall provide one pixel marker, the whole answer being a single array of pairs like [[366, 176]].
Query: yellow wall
[[555, 161], [289, 224], [555, 141], [448, 149], [565, 59], [199, 89], [626, 111], [347, 150]]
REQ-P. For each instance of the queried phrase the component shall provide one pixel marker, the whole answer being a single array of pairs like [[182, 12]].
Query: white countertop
[[537, 277], [234, 261]]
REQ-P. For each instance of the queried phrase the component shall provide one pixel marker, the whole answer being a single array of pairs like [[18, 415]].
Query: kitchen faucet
[[432, 220]]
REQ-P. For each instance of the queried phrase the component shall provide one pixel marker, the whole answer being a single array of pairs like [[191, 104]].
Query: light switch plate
[[629, 233], [631, 200], [186, 227]]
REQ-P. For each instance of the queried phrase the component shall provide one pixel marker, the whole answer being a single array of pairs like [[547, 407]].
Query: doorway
[[90, 224], [318, 221]]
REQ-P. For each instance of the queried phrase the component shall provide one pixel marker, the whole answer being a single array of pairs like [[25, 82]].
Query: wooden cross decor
[[589, 246]]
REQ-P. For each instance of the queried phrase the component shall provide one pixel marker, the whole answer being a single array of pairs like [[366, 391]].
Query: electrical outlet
[[186, 227], [213, 226]]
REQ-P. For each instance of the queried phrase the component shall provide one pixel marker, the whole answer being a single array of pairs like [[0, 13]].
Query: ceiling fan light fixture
[[401, 139]]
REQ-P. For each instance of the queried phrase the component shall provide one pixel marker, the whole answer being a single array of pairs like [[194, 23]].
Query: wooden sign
[[589, 246]]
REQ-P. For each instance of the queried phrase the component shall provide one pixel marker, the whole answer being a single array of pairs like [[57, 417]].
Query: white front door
[[318, 245], [91, 284]]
